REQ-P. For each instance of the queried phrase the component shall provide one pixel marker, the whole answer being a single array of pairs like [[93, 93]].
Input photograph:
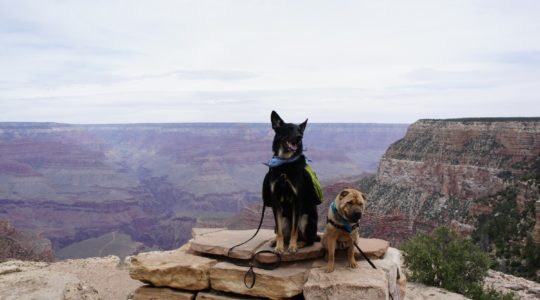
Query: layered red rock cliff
[[15, 244], [536, 230], [431, 176]]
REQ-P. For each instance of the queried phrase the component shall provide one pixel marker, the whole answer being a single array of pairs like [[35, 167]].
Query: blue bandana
[[344, 222], [277, 161]]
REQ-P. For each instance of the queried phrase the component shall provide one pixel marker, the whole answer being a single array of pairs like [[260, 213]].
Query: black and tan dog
[[291, 188], [342, 225]]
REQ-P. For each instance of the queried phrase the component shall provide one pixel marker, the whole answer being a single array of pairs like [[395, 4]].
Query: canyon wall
[[432, 175], [16, 244], [154, 182]]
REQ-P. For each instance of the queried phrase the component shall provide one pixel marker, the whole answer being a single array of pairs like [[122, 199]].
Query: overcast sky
[[236, 61]]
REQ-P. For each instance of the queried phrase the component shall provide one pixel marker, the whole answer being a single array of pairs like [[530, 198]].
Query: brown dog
[[342, 224]]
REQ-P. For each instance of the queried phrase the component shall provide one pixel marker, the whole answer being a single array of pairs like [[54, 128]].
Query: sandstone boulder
[[148, 292], [219, 242], [346, 283], [176, 269], [390, 263], [283, 282]]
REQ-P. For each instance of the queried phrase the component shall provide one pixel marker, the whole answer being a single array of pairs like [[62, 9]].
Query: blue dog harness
[[345, 225]]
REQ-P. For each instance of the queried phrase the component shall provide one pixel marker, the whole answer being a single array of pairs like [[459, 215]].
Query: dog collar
[[345, 225], [277, 161]]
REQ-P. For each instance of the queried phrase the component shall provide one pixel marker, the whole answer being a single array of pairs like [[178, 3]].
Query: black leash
[[250, 271], [258, 228], [252, 265], [365, 256]]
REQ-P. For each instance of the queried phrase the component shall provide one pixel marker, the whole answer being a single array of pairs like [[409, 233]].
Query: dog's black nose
[[356, 215]]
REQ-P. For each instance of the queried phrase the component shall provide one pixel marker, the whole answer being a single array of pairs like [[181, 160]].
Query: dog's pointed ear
[[303, 126], [277, 121]]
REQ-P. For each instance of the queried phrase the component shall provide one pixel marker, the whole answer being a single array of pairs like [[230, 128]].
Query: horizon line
[[461, 119]]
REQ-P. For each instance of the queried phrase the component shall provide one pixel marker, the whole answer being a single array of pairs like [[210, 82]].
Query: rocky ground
[[191, 275], [523, 288], [93, 278]]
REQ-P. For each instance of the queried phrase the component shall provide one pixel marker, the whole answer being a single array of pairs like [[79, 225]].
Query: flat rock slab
[[283, 282], [176, 269], [372, 248], [311, 252], [202, 231], [362, 283], [147, 292], [219, 242]]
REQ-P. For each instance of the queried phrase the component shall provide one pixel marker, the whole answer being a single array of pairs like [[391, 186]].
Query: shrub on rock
[[443, 259]]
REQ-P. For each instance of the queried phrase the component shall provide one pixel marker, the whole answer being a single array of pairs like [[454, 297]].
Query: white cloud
[[341, 61]]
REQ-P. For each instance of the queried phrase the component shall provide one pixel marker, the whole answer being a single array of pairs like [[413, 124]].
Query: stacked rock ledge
[[202, 270]]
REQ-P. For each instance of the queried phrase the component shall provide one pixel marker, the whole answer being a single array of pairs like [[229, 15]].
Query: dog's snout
[[356, 214]]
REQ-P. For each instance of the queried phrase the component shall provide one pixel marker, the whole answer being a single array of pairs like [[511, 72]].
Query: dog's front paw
[[279, 250], [329, 268], [353, 264], [293, 249], [280, 246]]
